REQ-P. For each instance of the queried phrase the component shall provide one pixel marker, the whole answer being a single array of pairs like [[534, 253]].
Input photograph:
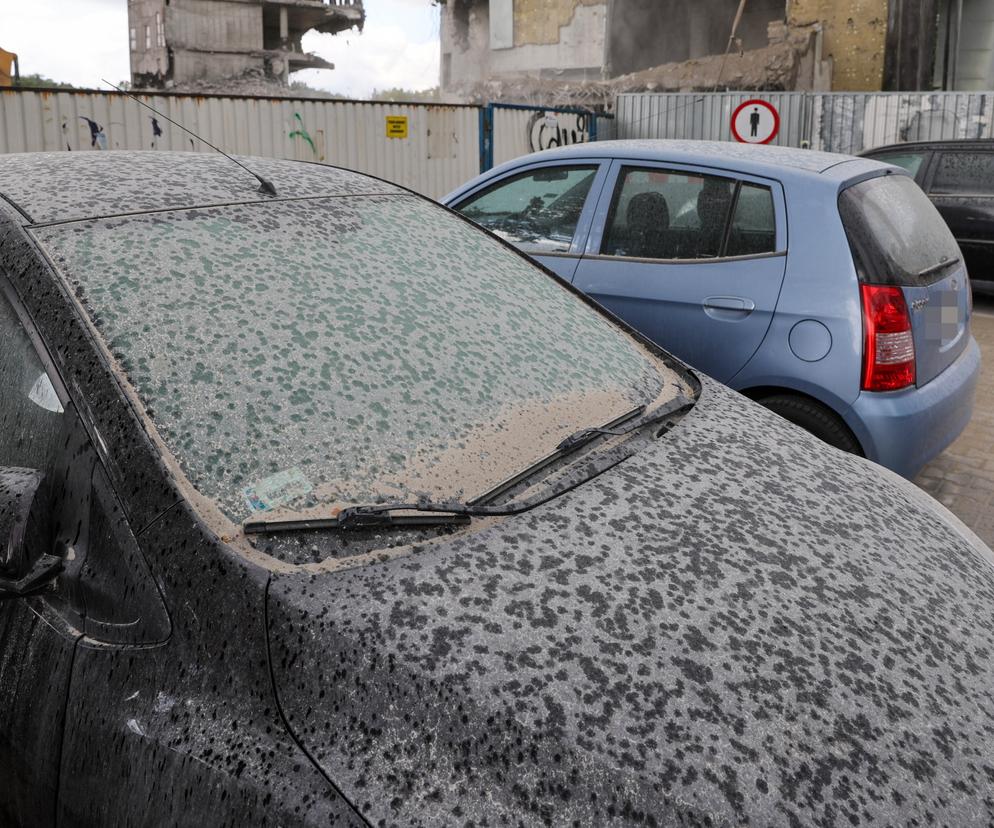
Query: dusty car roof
[[824, 169], [761, 159], [49, 187]]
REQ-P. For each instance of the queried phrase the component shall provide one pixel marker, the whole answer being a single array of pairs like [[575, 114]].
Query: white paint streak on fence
[[440, 152]]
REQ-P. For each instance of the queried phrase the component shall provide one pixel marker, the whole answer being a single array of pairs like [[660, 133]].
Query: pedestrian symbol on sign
[[755, 122]]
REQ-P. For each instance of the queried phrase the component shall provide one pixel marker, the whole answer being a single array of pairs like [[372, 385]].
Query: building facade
[[964, 46], [678, 45], [179, 41]]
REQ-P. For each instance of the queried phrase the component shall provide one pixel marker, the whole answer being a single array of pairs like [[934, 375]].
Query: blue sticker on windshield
[[277, 490]]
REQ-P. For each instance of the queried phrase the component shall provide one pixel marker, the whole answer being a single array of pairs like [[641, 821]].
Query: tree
[[396, 95], [40, 81]]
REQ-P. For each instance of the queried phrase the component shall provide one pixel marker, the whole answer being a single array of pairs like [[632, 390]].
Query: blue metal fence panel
[[512, 130]]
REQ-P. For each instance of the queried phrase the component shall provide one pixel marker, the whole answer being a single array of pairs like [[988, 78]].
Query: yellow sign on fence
[[396, 126]]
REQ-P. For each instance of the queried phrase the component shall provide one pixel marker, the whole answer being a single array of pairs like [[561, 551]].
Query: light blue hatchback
[[824, 286]]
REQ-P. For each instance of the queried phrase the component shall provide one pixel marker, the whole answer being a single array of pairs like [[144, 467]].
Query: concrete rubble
[[792, 61], [251, 82]]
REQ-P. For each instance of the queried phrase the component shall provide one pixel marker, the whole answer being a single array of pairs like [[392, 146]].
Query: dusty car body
[[715, 620]]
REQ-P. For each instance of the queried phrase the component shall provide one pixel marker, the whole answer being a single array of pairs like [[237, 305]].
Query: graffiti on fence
[[98, 135], [156, 131], [98, 138], [557, 129], [315, 142], [301, 132]]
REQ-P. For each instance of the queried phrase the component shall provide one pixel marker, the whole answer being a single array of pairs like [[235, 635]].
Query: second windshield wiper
[[580, 438], [585, 435]]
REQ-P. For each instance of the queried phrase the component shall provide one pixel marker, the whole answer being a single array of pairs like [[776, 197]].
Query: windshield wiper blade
[[369, 516], [429, 513], [580, 438], [585, 435], [564, 448]]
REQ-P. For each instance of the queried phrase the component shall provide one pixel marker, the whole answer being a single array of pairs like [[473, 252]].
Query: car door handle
[[728, 307]]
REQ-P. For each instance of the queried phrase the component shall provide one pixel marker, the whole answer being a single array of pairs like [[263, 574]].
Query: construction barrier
[[847, 122], [431, 148]]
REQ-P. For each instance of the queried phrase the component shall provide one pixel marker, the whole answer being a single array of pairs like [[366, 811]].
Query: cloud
[[382, 57], [398, 48], [82, 41], [76, 43]]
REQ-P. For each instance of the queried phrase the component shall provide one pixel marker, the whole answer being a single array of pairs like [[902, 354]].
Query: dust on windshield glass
[[303, 355]]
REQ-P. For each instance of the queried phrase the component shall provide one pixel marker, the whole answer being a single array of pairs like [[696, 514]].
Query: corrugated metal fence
[[435, 149], [833, 121], [429, 148], [702, 116], [516, 130]]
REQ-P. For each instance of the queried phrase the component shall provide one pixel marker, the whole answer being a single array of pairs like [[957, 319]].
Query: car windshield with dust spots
[[301, 355]]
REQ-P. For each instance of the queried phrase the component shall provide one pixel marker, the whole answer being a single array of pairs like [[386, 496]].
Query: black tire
[[813, 417]]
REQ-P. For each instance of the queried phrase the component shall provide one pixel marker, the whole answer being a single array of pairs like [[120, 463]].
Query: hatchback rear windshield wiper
[[936, 268]]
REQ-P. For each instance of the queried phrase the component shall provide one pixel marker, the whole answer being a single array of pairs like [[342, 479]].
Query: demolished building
[[176, 42], [590, 49]]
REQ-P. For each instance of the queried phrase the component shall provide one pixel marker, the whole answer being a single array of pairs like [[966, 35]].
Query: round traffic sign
[[755, 122]]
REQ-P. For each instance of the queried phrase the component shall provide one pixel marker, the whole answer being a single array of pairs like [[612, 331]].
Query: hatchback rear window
[[896, 235]]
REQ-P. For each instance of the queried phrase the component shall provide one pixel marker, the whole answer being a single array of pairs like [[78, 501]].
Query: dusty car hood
[[737, 625]]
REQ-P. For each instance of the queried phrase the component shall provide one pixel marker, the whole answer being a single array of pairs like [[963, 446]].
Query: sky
[[82, 41]]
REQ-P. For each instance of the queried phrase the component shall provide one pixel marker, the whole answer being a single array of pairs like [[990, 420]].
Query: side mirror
[[24, 567]]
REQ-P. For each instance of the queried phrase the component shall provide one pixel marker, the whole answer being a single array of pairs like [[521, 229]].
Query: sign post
[[755, 122]]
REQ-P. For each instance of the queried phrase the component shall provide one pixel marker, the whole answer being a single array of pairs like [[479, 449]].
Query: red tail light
[[888, 345]]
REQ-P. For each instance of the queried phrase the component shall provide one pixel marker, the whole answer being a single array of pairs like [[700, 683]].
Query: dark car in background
[[958, 177], [330, 508]]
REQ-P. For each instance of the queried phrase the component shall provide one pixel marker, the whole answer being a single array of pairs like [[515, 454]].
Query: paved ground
[[962, 477]]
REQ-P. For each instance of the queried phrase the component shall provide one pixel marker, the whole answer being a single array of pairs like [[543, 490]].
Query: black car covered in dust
[[958, 176], [330, 508]]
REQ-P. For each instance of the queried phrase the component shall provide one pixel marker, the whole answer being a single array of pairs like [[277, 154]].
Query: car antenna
[[265, 186]]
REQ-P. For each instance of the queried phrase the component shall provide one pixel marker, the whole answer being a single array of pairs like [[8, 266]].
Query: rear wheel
[[813, 417]]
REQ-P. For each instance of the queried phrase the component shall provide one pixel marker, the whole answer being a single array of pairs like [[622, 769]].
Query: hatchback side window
[[30, 411], [537, 210], [964, 173], [754, 227], [661, 214]]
